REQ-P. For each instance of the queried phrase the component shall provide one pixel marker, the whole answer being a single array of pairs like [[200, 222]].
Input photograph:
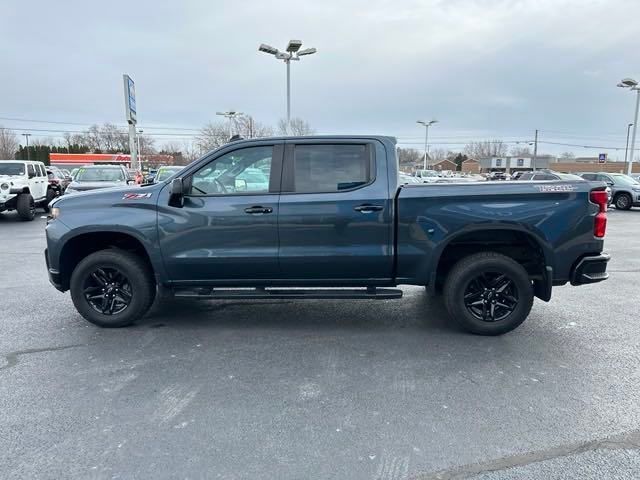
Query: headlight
[[4, 186]]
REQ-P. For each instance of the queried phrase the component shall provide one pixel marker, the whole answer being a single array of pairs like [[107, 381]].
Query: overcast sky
[[483, 68]]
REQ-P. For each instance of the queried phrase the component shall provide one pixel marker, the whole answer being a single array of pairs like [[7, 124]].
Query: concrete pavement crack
[[624, 441], [13, 358]]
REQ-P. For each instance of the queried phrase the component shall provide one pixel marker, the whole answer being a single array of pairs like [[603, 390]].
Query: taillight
[[599, 197]]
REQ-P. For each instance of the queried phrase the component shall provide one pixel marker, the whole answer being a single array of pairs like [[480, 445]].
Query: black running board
[[293, 293]]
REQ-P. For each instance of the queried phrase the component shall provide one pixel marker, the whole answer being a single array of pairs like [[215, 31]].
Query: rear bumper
[[590, 269]]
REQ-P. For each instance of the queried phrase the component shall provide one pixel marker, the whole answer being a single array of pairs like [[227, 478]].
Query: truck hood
[[12, 178], [105, 195]]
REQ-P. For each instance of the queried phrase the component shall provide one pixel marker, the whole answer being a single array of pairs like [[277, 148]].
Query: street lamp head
[[421, 122], [267, 49], [294, 46], [628, 82], [307, 51], [433, 121]]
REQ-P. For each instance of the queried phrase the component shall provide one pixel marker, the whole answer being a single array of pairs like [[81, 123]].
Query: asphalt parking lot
[[319, 389]]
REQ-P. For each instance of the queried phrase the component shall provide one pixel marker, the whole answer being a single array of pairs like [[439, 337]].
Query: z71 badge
[[556, 188], [135, 196]]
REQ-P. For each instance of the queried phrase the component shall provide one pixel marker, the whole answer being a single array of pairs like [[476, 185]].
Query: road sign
[[129, 99], [602, 158]]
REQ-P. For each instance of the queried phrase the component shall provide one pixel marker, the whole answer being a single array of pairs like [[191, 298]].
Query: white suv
[[24, 186]]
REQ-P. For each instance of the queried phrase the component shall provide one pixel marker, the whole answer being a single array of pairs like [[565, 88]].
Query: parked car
[[404, 179], [427, 176], [58, 181], [331, 215], [23, 187], [164, 173], [540, 175], [625, 189], [99, 176], [517, 175], [151, 175], [497, 176]]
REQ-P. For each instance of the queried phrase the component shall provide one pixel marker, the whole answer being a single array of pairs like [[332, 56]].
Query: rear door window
[[331, 168], [31, 170]]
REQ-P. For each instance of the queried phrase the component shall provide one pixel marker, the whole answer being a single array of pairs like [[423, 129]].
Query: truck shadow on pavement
[[419, 311]]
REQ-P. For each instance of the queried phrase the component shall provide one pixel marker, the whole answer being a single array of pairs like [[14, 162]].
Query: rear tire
[[488, 293], [623, 201], [112, 288], [26, 207]]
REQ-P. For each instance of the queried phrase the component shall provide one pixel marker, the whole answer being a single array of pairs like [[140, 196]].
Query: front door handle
[[257, 209], [368, 208]]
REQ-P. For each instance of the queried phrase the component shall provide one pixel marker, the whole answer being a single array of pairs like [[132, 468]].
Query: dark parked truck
[[324, 217]]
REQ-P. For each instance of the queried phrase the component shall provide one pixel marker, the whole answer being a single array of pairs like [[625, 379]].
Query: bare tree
[[247, 127], [487, 148], [147, 144], [212, 136], [8, 144], [296, 127], [407, 157], [438, 154], [567, 156], [520, 151]]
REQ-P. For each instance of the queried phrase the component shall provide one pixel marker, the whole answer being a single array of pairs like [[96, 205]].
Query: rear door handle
[[368, 208], [257, 209]]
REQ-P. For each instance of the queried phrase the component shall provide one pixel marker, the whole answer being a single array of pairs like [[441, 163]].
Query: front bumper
[[590, 269], [54, 275]]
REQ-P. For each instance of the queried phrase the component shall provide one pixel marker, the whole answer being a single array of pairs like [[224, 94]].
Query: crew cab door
[[335, 215], [227, 228]]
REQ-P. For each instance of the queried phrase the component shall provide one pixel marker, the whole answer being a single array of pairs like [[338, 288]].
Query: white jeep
[[23, 187]]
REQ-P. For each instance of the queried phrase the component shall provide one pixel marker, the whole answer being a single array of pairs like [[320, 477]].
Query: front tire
[[26, 207], [488, 293], [112, 288], [623, 201]]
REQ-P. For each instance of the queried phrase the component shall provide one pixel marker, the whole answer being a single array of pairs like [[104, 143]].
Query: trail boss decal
[[556, 188], [135, 196]]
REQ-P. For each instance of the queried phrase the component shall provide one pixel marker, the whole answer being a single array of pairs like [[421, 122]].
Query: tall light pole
[[426, 138], [535, 151], [626, 148], [26, 136], [293, 52], [139, 132], [632, 84], [231, 116]]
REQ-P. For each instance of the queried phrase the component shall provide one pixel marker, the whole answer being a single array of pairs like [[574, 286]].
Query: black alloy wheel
[[491, 296], [107, 290]]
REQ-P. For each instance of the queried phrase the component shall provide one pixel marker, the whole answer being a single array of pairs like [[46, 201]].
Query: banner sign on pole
[[130, 99]]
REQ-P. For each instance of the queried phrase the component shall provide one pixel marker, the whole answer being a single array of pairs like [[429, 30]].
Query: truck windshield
[[11, 168], [100, 175]]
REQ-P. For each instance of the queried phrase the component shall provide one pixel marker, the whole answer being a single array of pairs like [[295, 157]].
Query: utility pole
[[26, 136], [535, 151], [626, 148]]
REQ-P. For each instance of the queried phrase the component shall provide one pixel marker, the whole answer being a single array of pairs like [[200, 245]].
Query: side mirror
[[241, 185], [176, 193]]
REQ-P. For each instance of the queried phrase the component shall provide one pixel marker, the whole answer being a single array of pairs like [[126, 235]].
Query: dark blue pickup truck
[[324, 217]]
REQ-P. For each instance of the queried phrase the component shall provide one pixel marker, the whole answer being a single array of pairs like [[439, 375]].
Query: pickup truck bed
[[282, 217]]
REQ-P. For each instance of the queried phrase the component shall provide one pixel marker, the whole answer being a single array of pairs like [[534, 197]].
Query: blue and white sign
[[602, 158], [130, 98]]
